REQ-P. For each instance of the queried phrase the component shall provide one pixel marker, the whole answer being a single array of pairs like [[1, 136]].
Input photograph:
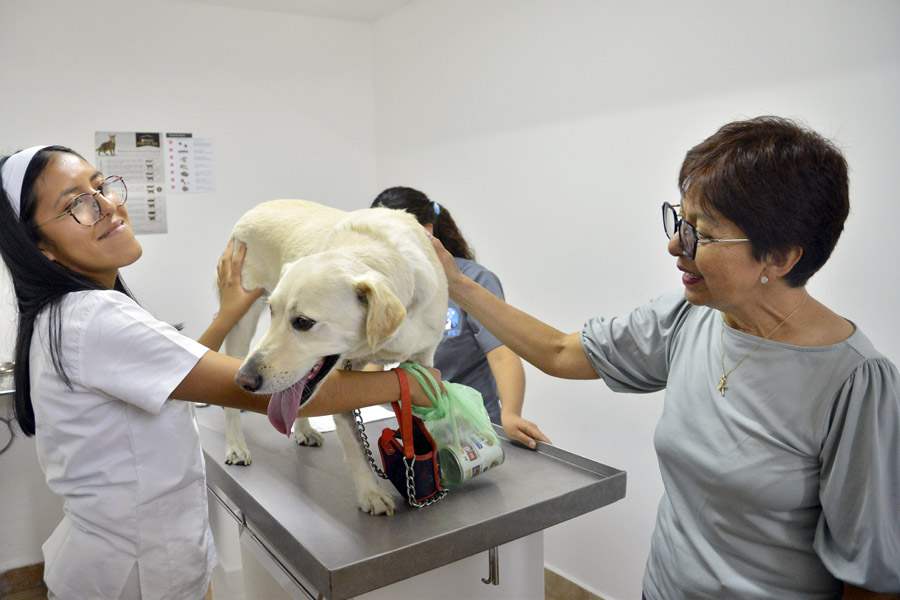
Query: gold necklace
[[722, 382]]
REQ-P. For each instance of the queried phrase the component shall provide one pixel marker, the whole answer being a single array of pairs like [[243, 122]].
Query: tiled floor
[[557, 587], [23, 584]]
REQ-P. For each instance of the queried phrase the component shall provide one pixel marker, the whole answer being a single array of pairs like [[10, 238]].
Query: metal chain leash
[[411, 487], [410, 474], [347, 365], [361, 429]]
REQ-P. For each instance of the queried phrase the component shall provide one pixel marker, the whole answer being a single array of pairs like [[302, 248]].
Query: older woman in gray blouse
[[779, 442]]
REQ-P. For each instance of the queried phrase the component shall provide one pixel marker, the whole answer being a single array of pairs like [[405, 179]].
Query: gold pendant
[[721, 386]]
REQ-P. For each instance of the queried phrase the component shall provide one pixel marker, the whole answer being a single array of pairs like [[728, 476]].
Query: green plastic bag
[[461, 428]]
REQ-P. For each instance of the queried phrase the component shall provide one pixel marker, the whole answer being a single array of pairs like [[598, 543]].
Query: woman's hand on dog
[[454, 275], [234, 300]]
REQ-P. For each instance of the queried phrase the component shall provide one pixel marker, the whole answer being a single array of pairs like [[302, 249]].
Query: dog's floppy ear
[[385, 311]]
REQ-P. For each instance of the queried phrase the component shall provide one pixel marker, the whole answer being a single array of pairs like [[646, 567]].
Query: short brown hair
[[783, 184]]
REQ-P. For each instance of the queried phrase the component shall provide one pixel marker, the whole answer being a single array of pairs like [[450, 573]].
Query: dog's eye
[[302, 323]]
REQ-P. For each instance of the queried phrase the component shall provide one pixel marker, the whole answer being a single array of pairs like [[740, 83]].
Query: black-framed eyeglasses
[[85, 208], [687, 233]]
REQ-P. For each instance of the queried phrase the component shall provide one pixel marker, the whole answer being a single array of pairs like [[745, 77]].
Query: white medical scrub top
[[126, 460]]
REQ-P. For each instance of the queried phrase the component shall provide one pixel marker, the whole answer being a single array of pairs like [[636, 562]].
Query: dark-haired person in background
[[468, 353], [779, 440]]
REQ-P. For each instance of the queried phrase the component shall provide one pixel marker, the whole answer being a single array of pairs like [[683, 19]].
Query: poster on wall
[[137, 157], [189, 164]]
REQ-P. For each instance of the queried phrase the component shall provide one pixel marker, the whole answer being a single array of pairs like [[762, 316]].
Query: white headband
[[13, 173]]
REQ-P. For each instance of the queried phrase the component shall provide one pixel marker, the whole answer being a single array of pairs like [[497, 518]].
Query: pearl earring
[[764, 279]]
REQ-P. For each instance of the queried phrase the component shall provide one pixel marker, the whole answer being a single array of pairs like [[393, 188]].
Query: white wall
[[288, 102], [555, 129], [552, 130]]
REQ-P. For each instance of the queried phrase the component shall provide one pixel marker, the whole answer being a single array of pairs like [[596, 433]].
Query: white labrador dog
[[343, 289]]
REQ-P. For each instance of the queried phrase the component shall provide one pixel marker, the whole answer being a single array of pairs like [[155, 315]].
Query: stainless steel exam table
[[298, 504]]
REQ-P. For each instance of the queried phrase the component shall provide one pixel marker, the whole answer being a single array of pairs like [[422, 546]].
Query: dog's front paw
[[308, 438], [237, 455], [305, 435], [376, 502]]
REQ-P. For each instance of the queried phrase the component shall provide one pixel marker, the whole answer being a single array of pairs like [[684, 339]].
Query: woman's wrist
[[457, 286], [510, 412], [417, 394], [228, 316]]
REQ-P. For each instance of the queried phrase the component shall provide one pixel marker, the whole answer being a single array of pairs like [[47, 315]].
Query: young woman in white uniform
[[96, 382]]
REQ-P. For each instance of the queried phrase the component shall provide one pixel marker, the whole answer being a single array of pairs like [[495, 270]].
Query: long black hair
[[39, 283], [427, 211]]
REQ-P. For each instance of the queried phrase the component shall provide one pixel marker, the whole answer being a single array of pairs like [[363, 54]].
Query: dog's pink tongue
[[283, 407]]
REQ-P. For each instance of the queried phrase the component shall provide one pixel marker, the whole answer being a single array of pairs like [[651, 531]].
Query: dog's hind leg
[[370, 497], [237, 344]]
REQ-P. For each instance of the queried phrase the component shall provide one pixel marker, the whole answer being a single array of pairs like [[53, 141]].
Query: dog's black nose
[[248, 381]]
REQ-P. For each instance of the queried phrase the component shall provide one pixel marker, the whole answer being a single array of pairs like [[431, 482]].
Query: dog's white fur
[[371, 282]]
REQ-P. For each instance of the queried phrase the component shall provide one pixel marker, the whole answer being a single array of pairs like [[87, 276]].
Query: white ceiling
[[364, 11]]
